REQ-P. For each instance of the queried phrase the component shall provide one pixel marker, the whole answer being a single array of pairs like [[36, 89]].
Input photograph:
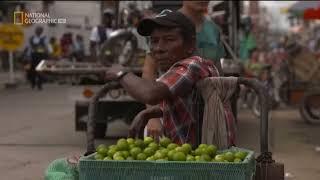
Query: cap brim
[[146, 26]]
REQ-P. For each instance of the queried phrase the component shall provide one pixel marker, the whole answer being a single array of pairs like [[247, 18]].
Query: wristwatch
[[120, 74]]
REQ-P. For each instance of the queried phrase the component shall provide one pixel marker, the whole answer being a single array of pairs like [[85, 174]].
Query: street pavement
[[37, 127]]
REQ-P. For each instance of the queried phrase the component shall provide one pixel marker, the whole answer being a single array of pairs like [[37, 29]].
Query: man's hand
[[111, 74], [154, 128], [141, 120]]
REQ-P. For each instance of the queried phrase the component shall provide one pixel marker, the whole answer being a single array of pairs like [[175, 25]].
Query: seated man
[[174, 94]]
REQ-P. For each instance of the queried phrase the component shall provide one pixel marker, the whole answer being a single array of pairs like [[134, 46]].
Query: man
[[38, 51], [100, 33], [208, 43], [173, 95]]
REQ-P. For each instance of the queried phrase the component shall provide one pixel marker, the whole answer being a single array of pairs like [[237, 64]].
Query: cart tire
[[309, 114], [100, 131]]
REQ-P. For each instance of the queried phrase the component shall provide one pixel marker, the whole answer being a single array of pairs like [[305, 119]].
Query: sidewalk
[[19, 78]]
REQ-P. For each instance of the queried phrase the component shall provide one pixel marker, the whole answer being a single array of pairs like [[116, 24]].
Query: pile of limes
[[147, 149]]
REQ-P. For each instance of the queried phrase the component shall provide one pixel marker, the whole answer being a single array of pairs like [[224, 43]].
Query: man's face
[[39, 31], [200, 7], [168, 47]]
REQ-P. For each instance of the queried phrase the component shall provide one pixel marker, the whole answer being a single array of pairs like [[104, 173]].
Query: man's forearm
[[145, 91]]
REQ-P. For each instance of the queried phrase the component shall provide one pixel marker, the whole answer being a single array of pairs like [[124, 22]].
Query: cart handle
[[258, 87]]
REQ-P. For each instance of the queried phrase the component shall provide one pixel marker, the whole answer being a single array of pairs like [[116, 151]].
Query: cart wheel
[[310, 107], [100, 130]]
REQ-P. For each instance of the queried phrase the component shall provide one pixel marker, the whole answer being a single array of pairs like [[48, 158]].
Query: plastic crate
[[90, 169]]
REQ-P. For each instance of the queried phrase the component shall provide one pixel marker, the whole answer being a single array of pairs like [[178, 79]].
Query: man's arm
[[146, 91], [94, 38]]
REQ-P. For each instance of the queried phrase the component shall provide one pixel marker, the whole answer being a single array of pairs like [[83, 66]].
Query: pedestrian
[[38, 51], [208, 45], [174, 96], [79, 48], [54, 48], [67, 46], [100, 33]]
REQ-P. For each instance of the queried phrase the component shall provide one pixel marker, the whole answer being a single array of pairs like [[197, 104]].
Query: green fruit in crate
[[118, 158], [135, 151], [170, 154], [103, 151], [113, 147], [205, 157], [125, 154], [132, 146], [212, 150], [107, 158], [193, 153], [154, 146], [179, 149], [130, 141], [159, 155], [237, 160], [151, 158], [112, 151], [147, 140], [101, 146], [139, 143], [122, 144], [162, 148], [118, 153], [148, 151], [186, 148], [129, 158], [229, 156], [164, 141], [190, 158], [197, 158], [164, 151], [198, 152], [219, 158], [179, 156], [203, 146], [172, 146], [241, 155], [98, 157], [141, 156]]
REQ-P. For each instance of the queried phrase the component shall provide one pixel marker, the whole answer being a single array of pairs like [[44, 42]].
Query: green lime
[[129, 158], [172, 146], [107, 158], [135, 151], [190, 158], [147, 140], [164, 141], [203, 146], [159, 155], [122, 144], [219, 158], [98, 157], [139, 143], [170, 154], [241, 155], [141, 156], [130, 141], [112, 151], [118, 158], [186, 148], [149, 151], [237, 160], [179, 156], [205, 157], [212, 150], [229, 156], [125, 154], [154, 146]]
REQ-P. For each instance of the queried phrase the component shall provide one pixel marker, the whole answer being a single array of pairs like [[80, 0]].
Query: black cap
[[166, 18]]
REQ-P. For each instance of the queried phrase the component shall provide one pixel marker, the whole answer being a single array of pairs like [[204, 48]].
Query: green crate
[[90, 169]]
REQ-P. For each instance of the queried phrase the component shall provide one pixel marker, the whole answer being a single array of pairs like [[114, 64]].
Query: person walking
[[39, 51]]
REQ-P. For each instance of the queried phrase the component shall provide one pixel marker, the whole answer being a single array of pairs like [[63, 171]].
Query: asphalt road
[[38, 127]]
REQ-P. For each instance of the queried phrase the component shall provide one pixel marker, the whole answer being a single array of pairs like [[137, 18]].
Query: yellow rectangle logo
[[18, 17]]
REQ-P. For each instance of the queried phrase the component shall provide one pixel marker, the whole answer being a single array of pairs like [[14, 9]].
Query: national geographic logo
[[27, 18]]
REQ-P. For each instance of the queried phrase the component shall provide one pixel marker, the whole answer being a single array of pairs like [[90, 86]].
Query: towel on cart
[[218, 125]]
